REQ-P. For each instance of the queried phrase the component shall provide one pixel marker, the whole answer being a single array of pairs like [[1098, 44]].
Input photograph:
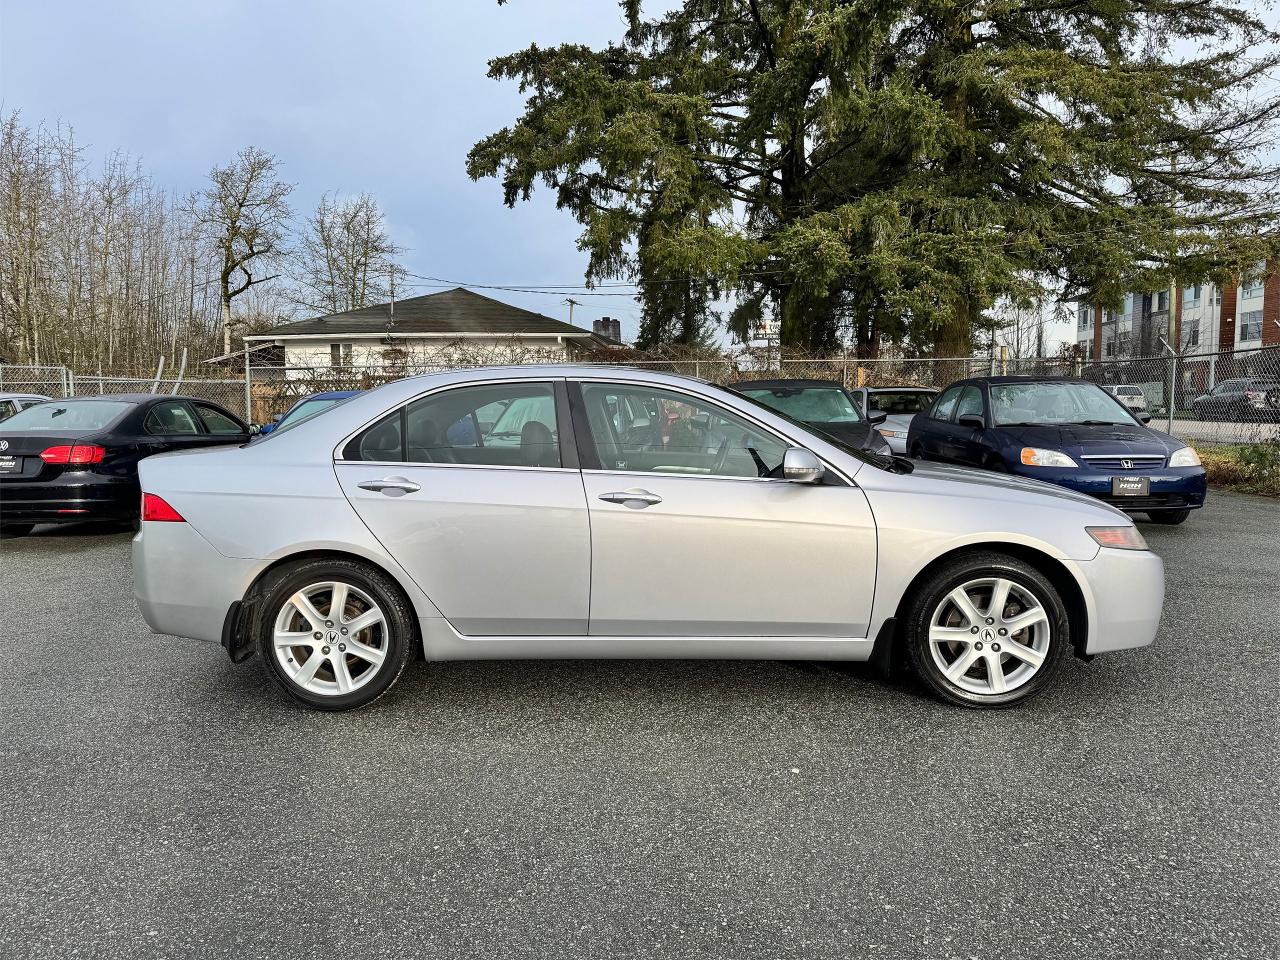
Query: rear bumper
[[183, 586], [71, 497], [1171, 488], [1125, 599]]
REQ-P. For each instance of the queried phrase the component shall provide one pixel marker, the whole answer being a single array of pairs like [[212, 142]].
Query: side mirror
[[1144, 417], [801, 466], [877, 418], [254, 429], [971, 420]]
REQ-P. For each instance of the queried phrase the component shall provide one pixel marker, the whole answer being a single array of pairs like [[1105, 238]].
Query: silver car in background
[[575, 512], [899, 405]]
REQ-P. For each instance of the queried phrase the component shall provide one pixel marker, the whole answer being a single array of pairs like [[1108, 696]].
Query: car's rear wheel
[[335, 634], [16, 529], [986, 630], [1170, 517]]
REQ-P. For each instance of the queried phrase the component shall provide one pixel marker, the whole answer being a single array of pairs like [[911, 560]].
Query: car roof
[[141, 397], [996, 381], [23, 396], [901, 389], [783, 383], [330, 395]]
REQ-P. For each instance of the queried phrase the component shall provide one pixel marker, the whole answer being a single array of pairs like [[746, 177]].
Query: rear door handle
[[635, 498], [392, 486]]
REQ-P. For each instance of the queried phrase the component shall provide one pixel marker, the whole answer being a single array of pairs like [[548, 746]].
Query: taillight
[[76, 453], [154, 508]]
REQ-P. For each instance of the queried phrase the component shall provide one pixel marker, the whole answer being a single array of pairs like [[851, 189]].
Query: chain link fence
[[1231, 397]]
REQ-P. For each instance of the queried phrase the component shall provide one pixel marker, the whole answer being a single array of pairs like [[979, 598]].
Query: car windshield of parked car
[[66, 415], [306, 411], [808, 404], [907, 402], [1055, 403]]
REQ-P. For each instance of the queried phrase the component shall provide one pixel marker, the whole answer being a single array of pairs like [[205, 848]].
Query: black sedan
[[1069, 432], [71, 460], [822, 404]]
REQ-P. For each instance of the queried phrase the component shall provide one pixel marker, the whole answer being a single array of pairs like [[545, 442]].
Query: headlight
[[1118, 538], [892, 434], [1035, 457], [1185, 457]]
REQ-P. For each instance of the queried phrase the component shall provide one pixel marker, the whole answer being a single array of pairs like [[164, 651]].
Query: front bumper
[[184, 587], [1171, 488], [1124, 599]]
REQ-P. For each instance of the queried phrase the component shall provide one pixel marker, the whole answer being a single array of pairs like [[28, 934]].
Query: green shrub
[[1247, 467]]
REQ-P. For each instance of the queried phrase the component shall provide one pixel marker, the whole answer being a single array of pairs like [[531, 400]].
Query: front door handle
[[391, 486], [635, 498]]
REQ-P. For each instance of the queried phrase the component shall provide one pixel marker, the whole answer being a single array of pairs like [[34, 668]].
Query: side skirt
[[441, 642]]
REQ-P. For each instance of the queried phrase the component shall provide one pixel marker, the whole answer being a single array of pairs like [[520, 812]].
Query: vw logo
[[1127, 464], [4, 444]]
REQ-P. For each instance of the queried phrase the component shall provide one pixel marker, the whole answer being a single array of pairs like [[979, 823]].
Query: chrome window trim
[[772, 431], [550, 381], [450, 466]]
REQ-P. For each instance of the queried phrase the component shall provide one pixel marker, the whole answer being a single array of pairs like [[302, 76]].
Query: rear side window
[[946, 404], [171, 418], [215, 421], [498, 425]]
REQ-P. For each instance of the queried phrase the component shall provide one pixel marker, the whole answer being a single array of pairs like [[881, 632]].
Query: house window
[[1162, 300], [340, 354], [1085, 316], [1252, 287], [1111, 348], [1193, 335], [1191, 296], [1128, 304], [1250, 325]]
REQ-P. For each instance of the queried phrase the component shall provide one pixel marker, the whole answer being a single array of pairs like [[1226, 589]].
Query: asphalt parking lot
[[159, 802]]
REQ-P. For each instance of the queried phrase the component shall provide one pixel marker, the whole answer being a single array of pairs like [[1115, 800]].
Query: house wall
[[365, 353]]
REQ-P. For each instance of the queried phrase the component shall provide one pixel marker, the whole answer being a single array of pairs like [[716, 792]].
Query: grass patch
[[1247, 467]]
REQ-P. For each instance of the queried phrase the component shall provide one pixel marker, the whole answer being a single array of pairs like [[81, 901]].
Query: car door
[[935, 430], [475, 491], [172, 425], [687, 538], [966, 442]]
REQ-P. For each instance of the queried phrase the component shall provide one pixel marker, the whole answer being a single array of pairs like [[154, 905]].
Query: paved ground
[[159, 802]]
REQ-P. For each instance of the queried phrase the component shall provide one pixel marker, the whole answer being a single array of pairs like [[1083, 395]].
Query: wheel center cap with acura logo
[[988, 635], [333, 636]]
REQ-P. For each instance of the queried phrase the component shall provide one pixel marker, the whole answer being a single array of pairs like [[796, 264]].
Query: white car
[[526, 512], [11, 403], [1129, 395]]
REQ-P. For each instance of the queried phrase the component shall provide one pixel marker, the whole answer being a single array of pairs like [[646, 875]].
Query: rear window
[[902, 403], [67, 415]]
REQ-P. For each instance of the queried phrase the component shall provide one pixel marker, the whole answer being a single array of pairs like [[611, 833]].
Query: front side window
[[970, 403], [215, 421], [171, 418], [498, 425], [644, 429], [946, 404]]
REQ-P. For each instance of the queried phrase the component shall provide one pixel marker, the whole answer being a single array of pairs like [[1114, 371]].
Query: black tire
[[1169, 517], [916, 452], [16, 529], [933, 592], [396, 640]]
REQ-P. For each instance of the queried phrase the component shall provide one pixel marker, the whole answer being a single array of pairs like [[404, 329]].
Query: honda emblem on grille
[[1127, 464]]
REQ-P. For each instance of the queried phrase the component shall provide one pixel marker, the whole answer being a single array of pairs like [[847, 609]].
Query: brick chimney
[[601, 327], [615, 329]]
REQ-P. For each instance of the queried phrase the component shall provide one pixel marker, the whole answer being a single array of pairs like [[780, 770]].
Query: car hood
[[1074, 439], [1003, 481]]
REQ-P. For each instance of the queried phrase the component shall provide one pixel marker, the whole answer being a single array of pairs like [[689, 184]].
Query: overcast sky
[[385, 96]]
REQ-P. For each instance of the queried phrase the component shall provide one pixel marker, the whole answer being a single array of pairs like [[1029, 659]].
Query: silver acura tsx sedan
[[575, 511]]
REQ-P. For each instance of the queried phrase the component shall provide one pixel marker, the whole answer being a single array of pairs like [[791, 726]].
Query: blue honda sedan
[[1069, 432]]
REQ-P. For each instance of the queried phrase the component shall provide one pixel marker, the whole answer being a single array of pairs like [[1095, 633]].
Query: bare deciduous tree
[[344, 259], [244, 213]]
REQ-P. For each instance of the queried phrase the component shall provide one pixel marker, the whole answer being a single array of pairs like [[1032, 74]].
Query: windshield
[[907, 402], [1055, 403], [875, 459], [63, 415], [807, 404]]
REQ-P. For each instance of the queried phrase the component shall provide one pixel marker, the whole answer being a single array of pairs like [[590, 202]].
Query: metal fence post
[[1170, 401], [248, 391]]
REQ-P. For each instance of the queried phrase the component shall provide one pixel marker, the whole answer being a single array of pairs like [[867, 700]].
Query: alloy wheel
[[989, 636], [330, 638]]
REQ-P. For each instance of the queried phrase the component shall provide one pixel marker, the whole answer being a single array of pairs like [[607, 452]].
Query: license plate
[[1130, 486], [10, 464]]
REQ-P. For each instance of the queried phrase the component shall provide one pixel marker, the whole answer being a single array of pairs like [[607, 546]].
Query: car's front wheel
[[986, 630], [335, 634]]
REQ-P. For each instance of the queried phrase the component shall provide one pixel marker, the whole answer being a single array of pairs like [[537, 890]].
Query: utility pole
[[572, 303]]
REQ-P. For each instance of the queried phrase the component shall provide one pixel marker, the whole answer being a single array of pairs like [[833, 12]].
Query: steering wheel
[[722, 454]]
